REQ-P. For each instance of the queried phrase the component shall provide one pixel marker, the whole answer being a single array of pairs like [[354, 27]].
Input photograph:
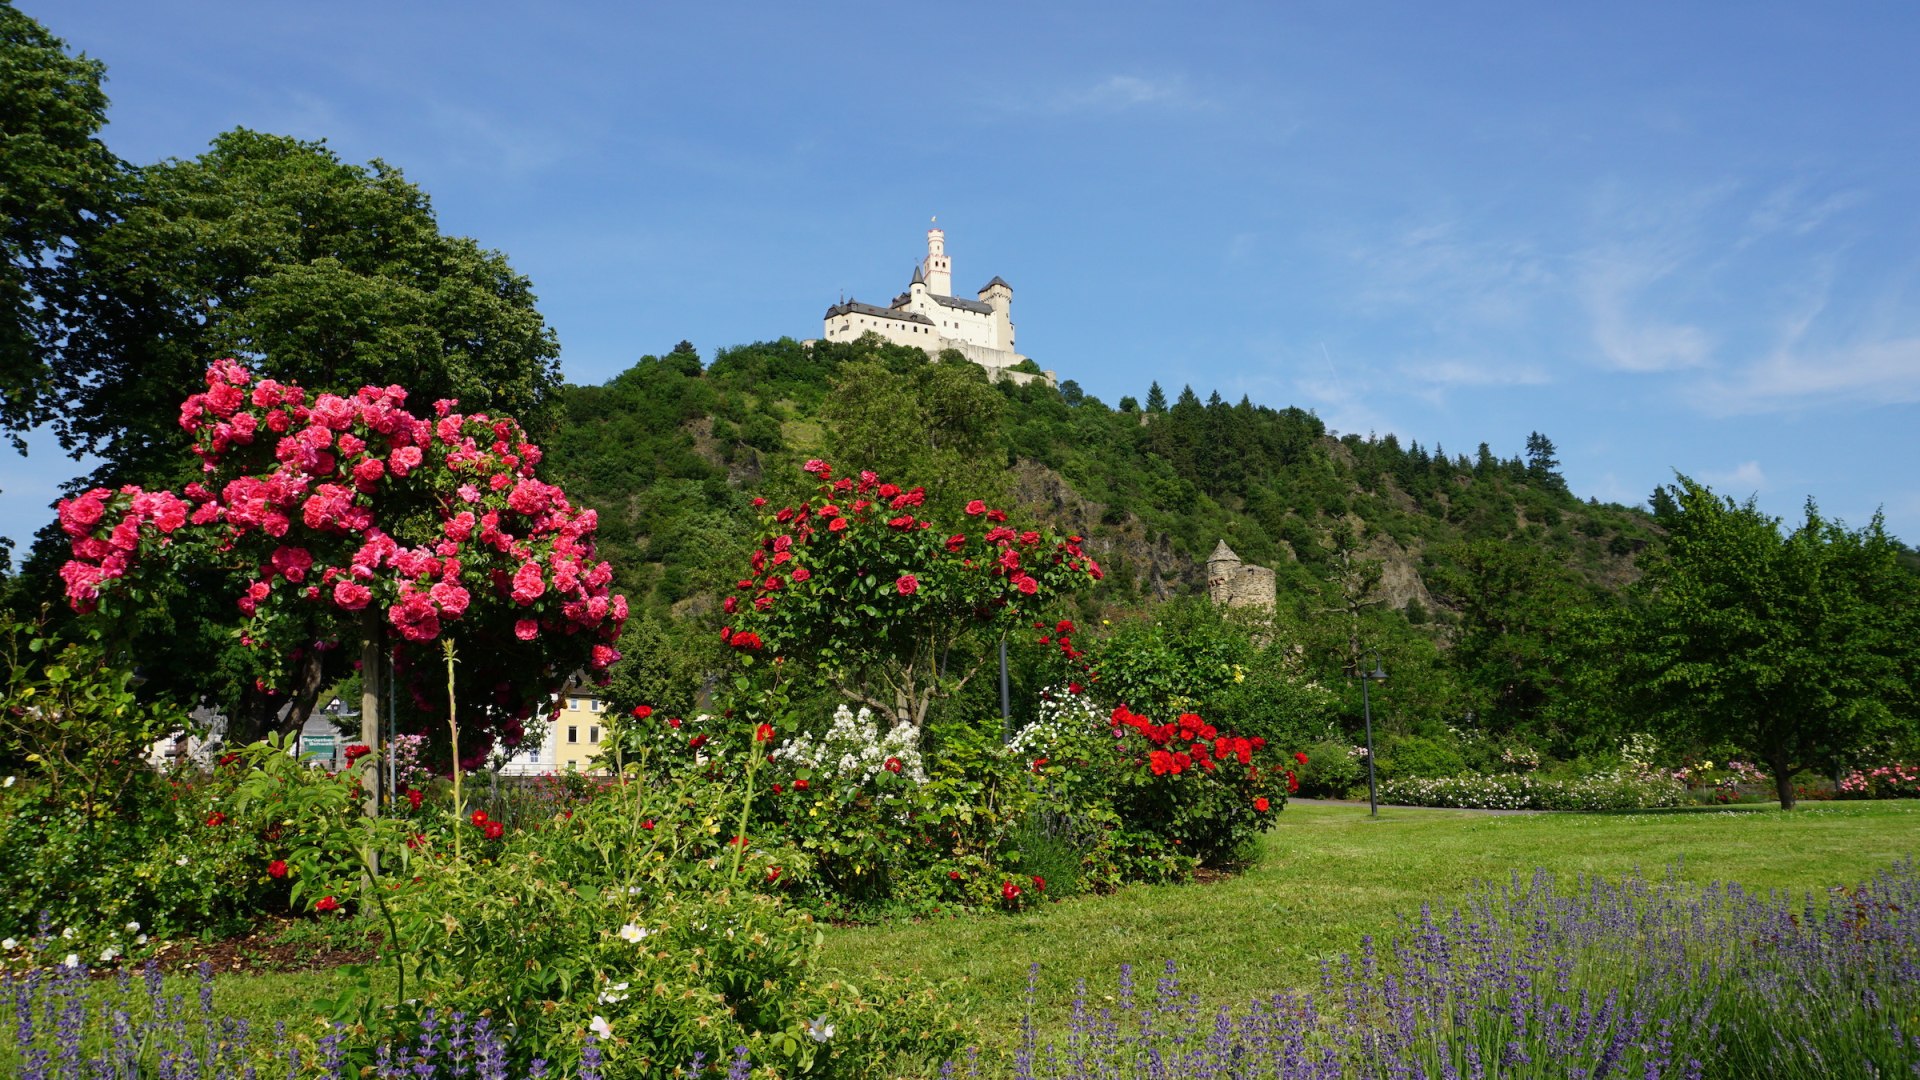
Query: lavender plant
[[69, 1023], [1638, 979]]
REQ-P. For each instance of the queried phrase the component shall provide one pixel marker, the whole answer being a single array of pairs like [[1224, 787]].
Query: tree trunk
[[370, 659], [1783, 782]]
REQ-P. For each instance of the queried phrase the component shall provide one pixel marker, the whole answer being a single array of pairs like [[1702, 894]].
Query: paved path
[[1384, 806]]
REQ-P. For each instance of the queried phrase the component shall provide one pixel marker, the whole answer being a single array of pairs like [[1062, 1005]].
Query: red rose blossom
[[1008, 891], [1261, 804], [907, 585], [277, 868], [326, 903]]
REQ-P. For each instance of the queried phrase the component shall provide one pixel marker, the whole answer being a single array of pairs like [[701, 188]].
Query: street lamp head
[[1378, 674]]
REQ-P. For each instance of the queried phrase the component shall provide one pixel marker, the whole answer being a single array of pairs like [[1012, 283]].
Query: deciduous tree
[[325, 274], [1798, 646], [56, 181]]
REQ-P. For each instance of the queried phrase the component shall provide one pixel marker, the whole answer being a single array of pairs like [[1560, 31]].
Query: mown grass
[[1326, 876]]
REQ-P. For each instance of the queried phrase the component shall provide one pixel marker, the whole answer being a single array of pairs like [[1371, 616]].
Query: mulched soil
[[265, 949]]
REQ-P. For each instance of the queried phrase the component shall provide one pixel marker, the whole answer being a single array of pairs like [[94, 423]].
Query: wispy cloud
[[1457, 275], [1747, 478], [1791, 209], [1451, 373], [1629, 338], [1884, 372], [1121, 92], [478, 139]]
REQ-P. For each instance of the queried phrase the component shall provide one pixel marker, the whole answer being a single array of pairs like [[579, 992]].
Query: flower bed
[[1883, 782], [1614, 791]]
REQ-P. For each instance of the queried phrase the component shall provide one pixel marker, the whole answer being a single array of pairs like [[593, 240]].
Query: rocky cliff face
[[1162, 571]]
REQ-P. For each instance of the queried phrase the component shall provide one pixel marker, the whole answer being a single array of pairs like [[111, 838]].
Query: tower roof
[[918, 277], [1223, 553], [997, 280]]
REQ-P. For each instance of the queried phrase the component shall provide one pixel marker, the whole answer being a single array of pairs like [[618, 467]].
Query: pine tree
[[1156, 398], [1542, 467]]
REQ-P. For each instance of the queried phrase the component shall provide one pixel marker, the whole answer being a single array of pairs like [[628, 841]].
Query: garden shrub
[[1334, 769], [1624, 790], [1174, 795], [1416, 757], [850, 799], [91, 836], [639, 914], [1881, 782], [157, 862]]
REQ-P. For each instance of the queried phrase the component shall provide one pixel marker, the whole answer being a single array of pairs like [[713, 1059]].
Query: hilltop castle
[[929, 316]]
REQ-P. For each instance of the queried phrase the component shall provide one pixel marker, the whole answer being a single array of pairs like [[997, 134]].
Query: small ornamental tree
[[349, 520], [851, 588]]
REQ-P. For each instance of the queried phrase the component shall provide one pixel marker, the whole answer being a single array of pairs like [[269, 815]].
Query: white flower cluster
[[1062, 715], [1525, 757], [1639, 750], [853, 748], [1609, 791]]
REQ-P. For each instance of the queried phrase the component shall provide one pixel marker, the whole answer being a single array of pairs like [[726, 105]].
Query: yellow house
[[579, 733]]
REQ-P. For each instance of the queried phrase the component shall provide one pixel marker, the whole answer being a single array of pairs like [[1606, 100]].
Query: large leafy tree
[[1510, 646], [1798, 646], [56, 179], [323, 273], [939, 421]]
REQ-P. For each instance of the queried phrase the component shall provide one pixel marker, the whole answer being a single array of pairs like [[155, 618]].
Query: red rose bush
[[854, 589]]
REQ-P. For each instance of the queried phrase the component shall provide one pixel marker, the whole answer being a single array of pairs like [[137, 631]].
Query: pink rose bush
[[347, 517]]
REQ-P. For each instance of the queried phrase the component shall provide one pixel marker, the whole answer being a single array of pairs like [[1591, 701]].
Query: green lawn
[[1326, 876]]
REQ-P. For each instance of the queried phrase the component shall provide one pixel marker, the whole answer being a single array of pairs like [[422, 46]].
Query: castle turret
[[939, 270], [1221, 565], [1234, 583], [998, 295]]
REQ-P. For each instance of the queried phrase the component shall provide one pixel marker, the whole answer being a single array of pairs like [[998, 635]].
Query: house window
[[573, 733], [593, 734]]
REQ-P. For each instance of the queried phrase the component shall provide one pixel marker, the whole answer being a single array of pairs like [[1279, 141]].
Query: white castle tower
[[939, 275]]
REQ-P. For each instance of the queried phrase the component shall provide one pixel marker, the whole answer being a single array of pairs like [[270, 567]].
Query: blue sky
[[1669, 236]]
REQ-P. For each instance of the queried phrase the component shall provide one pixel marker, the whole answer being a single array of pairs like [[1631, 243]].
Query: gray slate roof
[[997, 280], [980, 306], [855, 307]]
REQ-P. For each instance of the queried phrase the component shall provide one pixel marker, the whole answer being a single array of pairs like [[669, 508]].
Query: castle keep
[[929, 316], [1233, 583]]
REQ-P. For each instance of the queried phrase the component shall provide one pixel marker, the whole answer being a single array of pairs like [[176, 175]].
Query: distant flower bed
[[1884, 782], [1614, 791]]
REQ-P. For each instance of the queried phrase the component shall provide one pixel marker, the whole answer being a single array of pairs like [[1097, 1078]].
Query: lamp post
[[1378, 674]]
